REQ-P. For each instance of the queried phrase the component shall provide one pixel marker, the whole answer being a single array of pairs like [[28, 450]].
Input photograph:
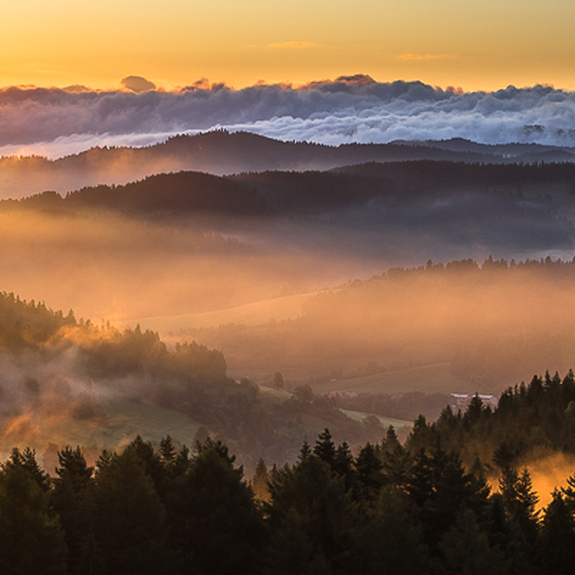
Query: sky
[[474, 44], [135, 72]]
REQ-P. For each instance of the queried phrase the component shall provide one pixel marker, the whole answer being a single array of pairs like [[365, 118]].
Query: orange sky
[[475, 44]]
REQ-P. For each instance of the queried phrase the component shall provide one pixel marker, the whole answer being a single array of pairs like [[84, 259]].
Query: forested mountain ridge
[[277, 193], [480, 326], [356, 218], [220, 152]]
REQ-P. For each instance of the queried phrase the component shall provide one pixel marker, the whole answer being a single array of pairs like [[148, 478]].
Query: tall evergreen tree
[[325, 448], [519, 501], [72, 500], [369, 475], [129, 518], [31, 541], [219, 522], [558, 538], [260, 482], [343, 465], [324, 507]]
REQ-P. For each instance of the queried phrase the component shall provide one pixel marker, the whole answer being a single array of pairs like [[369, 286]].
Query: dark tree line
[[386, 508], [476, 187], [538, 417], [139, 511]]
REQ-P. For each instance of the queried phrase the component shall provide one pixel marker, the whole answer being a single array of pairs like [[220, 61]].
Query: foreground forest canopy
[[455, 497], [406, 509]]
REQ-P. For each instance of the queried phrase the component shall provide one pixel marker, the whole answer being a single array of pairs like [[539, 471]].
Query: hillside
[[66, 382], [436, 210], [220, 152], [460, 327]]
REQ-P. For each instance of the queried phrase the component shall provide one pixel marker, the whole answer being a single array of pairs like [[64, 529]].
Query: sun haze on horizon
[[478, 46]]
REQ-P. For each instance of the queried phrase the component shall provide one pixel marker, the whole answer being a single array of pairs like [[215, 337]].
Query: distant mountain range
[[505, 208], [221, 153], [276, 193]]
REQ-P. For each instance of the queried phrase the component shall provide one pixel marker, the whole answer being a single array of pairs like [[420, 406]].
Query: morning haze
[[287, 288]]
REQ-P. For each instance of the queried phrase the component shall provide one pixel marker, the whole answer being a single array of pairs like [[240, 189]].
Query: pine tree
[[31, 541], [453, 489], [419, 482], [129, 518], [323, 505], [260, 482], [397, 467], [167, 450], [519, 501], [325, 448], [369, 475], [343, 465], [218, 522], [72, 499], [390, 442], [558, 538]]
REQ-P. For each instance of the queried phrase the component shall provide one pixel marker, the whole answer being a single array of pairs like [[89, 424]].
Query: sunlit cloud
[[137, 84], [283, 45], [426, 56]]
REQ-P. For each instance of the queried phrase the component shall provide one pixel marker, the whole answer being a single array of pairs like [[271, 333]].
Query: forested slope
[[220, 152], [144, 510], [485, 326], [60, 370]]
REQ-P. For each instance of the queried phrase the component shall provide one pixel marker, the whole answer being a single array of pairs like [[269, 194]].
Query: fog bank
[[56, 122]]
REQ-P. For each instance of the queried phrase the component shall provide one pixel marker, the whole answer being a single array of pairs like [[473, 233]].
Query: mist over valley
[[387, 277], [296, 288], [287, 288]]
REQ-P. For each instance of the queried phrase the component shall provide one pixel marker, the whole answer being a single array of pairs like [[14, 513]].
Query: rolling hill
[[220, 153]]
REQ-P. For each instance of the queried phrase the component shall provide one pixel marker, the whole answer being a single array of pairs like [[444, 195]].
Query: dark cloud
[[348, 109], [137, 84]]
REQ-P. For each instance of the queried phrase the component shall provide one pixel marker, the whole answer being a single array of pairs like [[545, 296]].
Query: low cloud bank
[[55, 122]]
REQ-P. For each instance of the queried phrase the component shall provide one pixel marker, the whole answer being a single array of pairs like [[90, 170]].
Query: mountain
[[437, 207], [459, 327], [220, 152]]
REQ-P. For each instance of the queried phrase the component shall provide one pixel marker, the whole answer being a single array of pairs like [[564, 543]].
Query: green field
[[385, 421], [280, 395], [123, 422], [434, 378], [256, 313]]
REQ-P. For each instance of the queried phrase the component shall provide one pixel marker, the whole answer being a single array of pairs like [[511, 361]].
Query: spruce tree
[[31, 541]]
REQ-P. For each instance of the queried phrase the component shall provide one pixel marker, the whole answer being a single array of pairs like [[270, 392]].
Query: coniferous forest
[[429, 505]]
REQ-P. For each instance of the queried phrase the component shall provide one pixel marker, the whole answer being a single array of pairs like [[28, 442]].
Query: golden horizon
[[483, 47]]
